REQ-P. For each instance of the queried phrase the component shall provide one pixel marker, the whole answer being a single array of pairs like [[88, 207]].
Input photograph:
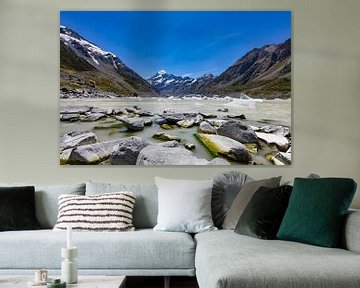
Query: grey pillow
[[184, 205], [46, 200], [146, 204], [226, 187], [243, 198]]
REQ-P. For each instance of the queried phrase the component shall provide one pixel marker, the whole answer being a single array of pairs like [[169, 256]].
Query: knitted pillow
[[105, 212]]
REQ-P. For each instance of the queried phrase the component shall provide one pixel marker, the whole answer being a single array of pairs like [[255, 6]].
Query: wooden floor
[[158, 282]]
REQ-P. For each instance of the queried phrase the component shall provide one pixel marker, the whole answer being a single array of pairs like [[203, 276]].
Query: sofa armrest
[[351, 234]]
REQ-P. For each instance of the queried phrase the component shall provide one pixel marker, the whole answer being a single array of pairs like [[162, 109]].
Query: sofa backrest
[[146, 203]]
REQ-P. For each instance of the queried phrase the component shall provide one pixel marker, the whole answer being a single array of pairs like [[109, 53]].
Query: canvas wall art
[[175, 88]]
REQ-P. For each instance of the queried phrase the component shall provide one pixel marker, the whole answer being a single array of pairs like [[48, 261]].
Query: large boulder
[[198, 119], [148, 121], [285, 157], [77, 138], [208, 115], [74, 109], [93, 154], [170, 154], [132, 110], [276, 129], [186, 123], [128, 151], [216, 122], [118, 111], [64, 156], [206, 127], [145, 114], [69, 117], [225, 147], [161, 121], [173, 118], [236, 116], [90, 117], [103, 110], [238, 131], [134, 124], [281, 142]]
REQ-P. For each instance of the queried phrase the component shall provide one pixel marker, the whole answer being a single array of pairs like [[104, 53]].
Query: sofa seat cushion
[[142, 249], [225, 259]]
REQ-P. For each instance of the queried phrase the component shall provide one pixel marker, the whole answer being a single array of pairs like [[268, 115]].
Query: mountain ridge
[[84, 65], [263, 72]]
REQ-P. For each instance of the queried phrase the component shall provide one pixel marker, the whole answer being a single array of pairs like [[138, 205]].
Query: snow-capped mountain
[[170, 84], [262, 72], [96, 67]]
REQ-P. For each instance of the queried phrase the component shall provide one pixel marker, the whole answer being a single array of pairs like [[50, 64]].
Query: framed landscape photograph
[[175, 88]]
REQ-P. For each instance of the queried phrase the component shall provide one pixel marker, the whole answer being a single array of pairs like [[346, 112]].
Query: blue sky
[[182, 43]]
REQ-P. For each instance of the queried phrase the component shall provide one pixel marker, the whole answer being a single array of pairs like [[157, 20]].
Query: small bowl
[[56, 283]]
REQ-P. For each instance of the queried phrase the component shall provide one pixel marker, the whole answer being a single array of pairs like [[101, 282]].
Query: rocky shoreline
[[228, 138]]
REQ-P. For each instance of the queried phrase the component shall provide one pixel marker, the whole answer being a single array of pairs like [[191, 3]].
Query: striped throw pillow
[[105, 212]]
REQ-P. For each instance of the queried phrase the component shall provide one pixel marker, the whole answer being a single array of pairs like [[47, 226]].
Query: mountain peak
[[161, 72]]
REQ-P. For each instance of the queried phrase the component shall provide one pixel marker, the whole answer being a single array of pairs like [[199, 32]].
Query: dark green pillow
[[316, 211], [17, 208], [263, 214]]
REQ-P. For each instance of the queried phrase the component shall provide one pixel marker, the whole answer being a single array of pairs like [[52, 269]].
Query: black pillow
[[17, 208], [263, 215]]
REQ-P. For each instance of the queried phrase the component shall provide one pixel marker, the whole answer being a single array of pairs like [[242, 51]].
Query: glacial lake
[[274, 112]]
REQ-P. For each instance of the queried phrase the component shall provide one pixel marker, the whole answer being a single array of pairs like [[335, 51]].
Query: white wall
[[326, 88]]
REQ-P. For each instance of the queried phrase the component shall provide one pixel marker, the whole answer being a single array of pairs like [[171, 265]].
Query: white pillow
[[184, 205]]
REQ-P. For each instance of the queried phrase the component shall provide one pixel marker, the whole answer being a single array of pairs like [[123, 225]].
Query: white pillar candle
[[69, 237]]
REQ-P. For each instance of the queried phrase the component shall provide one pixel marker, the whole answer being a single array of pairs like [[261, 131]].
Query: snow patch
[[89, 46], [93, 58], [169, 81]]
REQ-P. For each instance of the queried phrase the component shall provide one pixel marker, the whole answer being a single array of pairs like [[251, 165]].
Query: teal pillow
[[316, 211]]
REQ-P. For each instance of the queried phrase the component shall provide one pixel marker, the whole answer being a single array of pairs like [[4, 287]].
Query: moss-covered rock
[[166, 137], [226, 147], [166, 126], [109, 126]]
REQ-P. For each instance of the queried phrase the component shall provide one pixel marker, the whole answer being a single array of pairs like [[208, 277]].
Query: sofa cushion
[[317, 210], [184, 205], [17, 208], [225, 259], [142, 249], [263, 215], [225, 189], [146, 205], [105, 212], [46, 200], [243, 198]]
